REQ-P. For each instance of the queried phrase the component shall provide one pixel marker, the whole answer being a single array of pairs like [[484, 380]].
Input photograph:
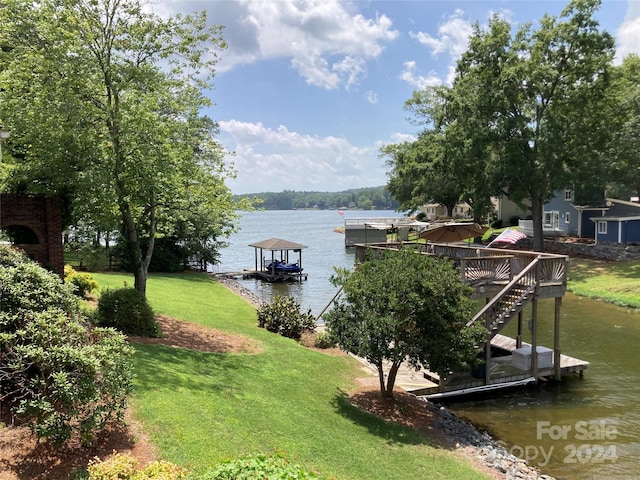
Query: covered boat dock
[[279, 266]]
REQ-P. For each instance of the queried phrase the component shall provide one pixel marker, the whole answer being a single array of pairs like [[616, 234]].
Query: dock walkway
[[503, 374], [263, 275]]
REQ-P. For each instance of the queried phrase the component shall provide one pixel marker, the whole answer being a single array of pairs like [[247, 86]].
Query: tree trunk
[[450, 206], [133, 249], [537, 204], [381, 379], [391, 379]]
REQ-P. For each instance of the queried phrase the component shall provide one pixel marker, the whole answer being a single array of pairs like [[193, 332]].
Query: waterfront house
[[568, 213], [619, 224]]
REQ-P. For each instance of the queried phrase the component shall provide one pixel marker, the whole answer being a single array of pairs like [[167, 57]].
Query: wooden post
[[534, 322], [487, 353], [556, 340], [534, 338], [519, 335]]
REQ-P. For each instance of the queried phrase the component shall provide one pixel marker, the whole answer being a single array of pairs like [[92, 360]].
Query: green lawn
[[615, 282], [201, 408]]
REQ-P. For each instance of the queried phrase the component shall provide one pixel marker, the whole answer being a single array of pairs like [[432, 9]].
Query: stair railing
[[510, 299]]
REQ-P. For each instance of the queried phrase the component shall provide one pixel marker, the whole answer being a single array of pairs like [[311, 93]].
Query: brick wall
[[43, 216]]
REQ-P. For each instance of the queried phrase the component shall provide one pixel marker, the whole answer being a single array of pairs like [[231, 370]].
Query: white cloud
[[270, 159], [628, 35], [328, 45], [399, 137], [409, 75], [372, 97], [452, 38]]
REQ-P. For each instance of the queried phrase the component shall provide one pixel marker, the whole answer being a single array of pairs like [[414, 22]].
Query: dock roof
[[277, 244]]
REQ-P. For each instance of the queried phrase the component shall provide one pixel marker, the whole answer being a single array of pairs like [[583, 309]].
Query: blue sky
[[308, 91]]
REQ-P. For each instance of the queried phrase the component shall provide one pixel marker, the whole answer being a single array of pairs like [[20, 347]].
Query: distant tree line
[[372, 198]]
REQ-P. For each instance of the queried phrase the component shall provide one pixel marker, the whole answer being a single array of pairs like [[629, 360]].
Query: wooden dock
[[503, 374], [264, 275]]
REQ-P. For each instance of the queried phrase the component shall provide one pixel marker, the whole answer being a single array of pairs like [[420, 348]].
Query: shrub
[[259, 467], [323, 340], [57, 374], [26, 288], [168, 255], [127, 310], [283, 316], [83, 282], [125, 467], [497, 223]]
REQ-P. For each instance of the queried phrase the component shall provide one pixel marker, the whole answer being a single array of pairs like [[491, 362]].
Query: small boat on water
[[282, 267]]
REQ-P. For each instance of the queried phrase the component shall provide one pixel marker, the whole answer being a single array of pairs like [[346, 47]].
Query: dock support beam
[[556, 340], [534, 338]]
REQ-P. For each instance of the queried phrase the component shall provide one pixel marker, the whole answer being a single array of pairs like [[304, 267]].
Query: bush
[[497, 223], [57, 374], [127, 310], [283, 316], [168, 255], [83, 282], [125, 467], [259, 467], [323, 340]]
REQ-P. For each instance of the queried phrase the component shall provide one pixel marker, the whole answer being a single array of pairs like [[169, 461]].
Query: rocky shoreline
[[465, 437], [460, 434]]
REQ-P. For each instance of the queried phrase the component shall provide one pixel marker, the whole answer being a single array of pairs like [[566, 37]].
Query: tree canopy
[[521, 117], [104, 102], [403, 306], [624, 114]]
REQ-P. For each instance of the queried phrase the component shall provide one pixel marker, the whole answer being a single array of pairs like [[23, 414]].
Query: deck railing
[[480, 263], [510, 300]]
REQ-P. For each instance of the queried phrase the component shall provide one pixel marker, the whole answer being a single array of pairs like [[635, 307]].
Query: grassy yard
[[201, 408], [615, 282]]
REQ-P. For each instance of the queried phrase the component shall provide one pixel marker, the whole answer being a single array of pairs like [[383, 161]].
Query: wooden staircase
[[511, 300], [508, 281]]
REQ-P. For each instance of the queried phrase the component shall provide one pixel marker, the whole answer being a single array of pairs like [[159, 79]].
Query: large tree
[[104, 100], [403, 306], [522, 112], [624, 118], [421, 173]]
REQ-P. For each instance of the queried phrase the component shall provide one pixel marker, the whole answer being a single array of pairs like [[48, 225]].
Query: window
[[551, 220], [602, 227], [568, 195], [567, 217]]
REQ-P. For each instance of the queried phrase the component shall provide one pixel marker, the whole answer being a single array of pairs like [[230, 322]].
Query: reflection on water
[[590, 425], [582, 428]]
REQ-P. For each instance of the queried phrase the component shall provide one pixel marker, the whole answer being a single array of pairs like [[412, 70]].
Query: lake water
[[582, 428]]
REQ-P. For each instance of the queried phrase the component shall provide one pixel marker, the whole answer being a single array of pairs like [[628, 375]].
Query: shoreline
[[463, 437]]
